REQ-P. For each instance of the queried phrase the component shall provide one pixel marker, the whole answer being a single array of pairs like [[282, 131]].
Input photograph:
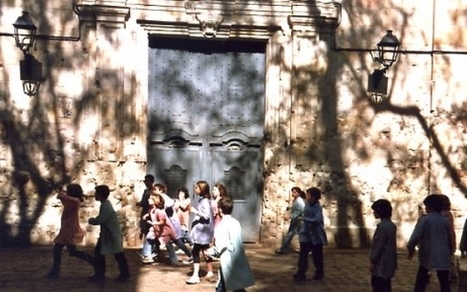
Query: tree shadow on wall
[[354, 64], [40, 146], [415, 112]]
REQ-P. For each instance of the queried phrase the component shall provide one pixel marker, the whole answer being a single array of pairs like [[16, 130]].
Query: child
[[312, 236], [383, 256], [182, 208], [169, 203], [161, 225], [144, 204], [433, 238], [110, 238], [70, 233], [463, 242], [447, 213], [218, 191], [151, 242], [175, 231], [169, 206], [235, 272], [202, 230], [298, 206]]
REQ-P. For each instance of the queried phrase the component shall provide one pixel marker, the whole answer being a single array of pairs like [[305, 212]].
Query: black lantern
[[30, 74], [378, 86], [25, 32], [388, 49]]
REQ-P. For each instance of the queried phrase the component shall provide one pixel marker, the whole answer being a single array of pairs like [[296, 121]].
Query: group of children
[[212, 233], [308, 222], [110, 238], [434, 236], [160, 223]]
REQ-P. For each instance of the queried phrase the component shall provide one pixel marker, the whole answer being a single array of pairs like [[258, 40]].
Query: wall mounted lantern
[[30, 68], [387, 53], [25, 36], [388, 49], [30, 74], [25, 32]]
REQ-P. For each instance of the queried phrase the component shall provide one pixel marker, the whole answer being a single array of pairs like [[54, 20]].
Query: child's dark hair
[[103, 191], [296, 189], [315, 192], [75, 190], [204, 189], [222, 189], [299, 191], [434, 202], [226, 205], [149, 177], [185, 192], [383, 208], [446, 202]]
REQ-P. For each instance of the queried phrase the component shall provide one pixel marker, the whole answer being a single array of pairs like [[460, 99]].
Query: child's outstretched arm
[[104, 214]]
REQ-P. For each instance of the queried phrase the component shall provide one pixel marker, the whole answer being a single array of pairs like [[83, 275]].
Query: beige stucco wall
[[87, 124]]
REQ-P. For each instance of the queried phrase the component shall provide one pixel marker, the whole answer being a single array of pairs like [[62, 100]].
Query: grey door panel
[[206, 116]]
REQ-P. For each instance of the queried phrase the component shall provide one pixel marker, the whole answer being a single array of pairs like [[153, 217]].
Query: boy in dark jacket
[[383, 256]]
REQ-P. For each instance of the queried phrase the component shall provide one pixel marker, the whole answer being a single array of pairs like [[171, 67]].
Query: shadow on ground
[[23, 269]]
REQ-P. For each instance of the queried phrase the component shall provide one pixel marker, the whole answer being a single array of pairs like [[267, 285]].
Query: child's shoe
[[280, 252], [193, 280], [96, 278], [211, 277], [318, 276], [147, 260], [122, 278], [53, 275], [299, 277]]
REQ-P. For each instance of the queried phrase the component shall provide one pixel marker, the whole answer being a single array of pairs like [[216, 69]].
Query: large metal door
[[206, 114]]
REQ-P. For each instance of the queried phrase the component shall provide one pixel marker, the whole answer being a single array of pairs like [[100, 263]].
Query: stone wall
[[322, 128]]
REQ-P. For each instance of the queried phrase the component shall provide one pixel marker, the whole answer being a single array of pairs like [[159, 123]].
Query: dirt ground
[[345, 270]]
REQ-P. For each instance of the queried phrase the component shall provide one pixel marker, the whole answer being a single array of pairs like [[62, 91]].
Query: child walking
[[218, 191], [151, 242], [312, 236], [432, 235], [70, 233], [182, 208], [169, 206], [298, 206], [144, 204], [383, 256], [235, 272], [447, 213], [161, 225], [110, 238], [463, 241], [202, 231], [166, 230]]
